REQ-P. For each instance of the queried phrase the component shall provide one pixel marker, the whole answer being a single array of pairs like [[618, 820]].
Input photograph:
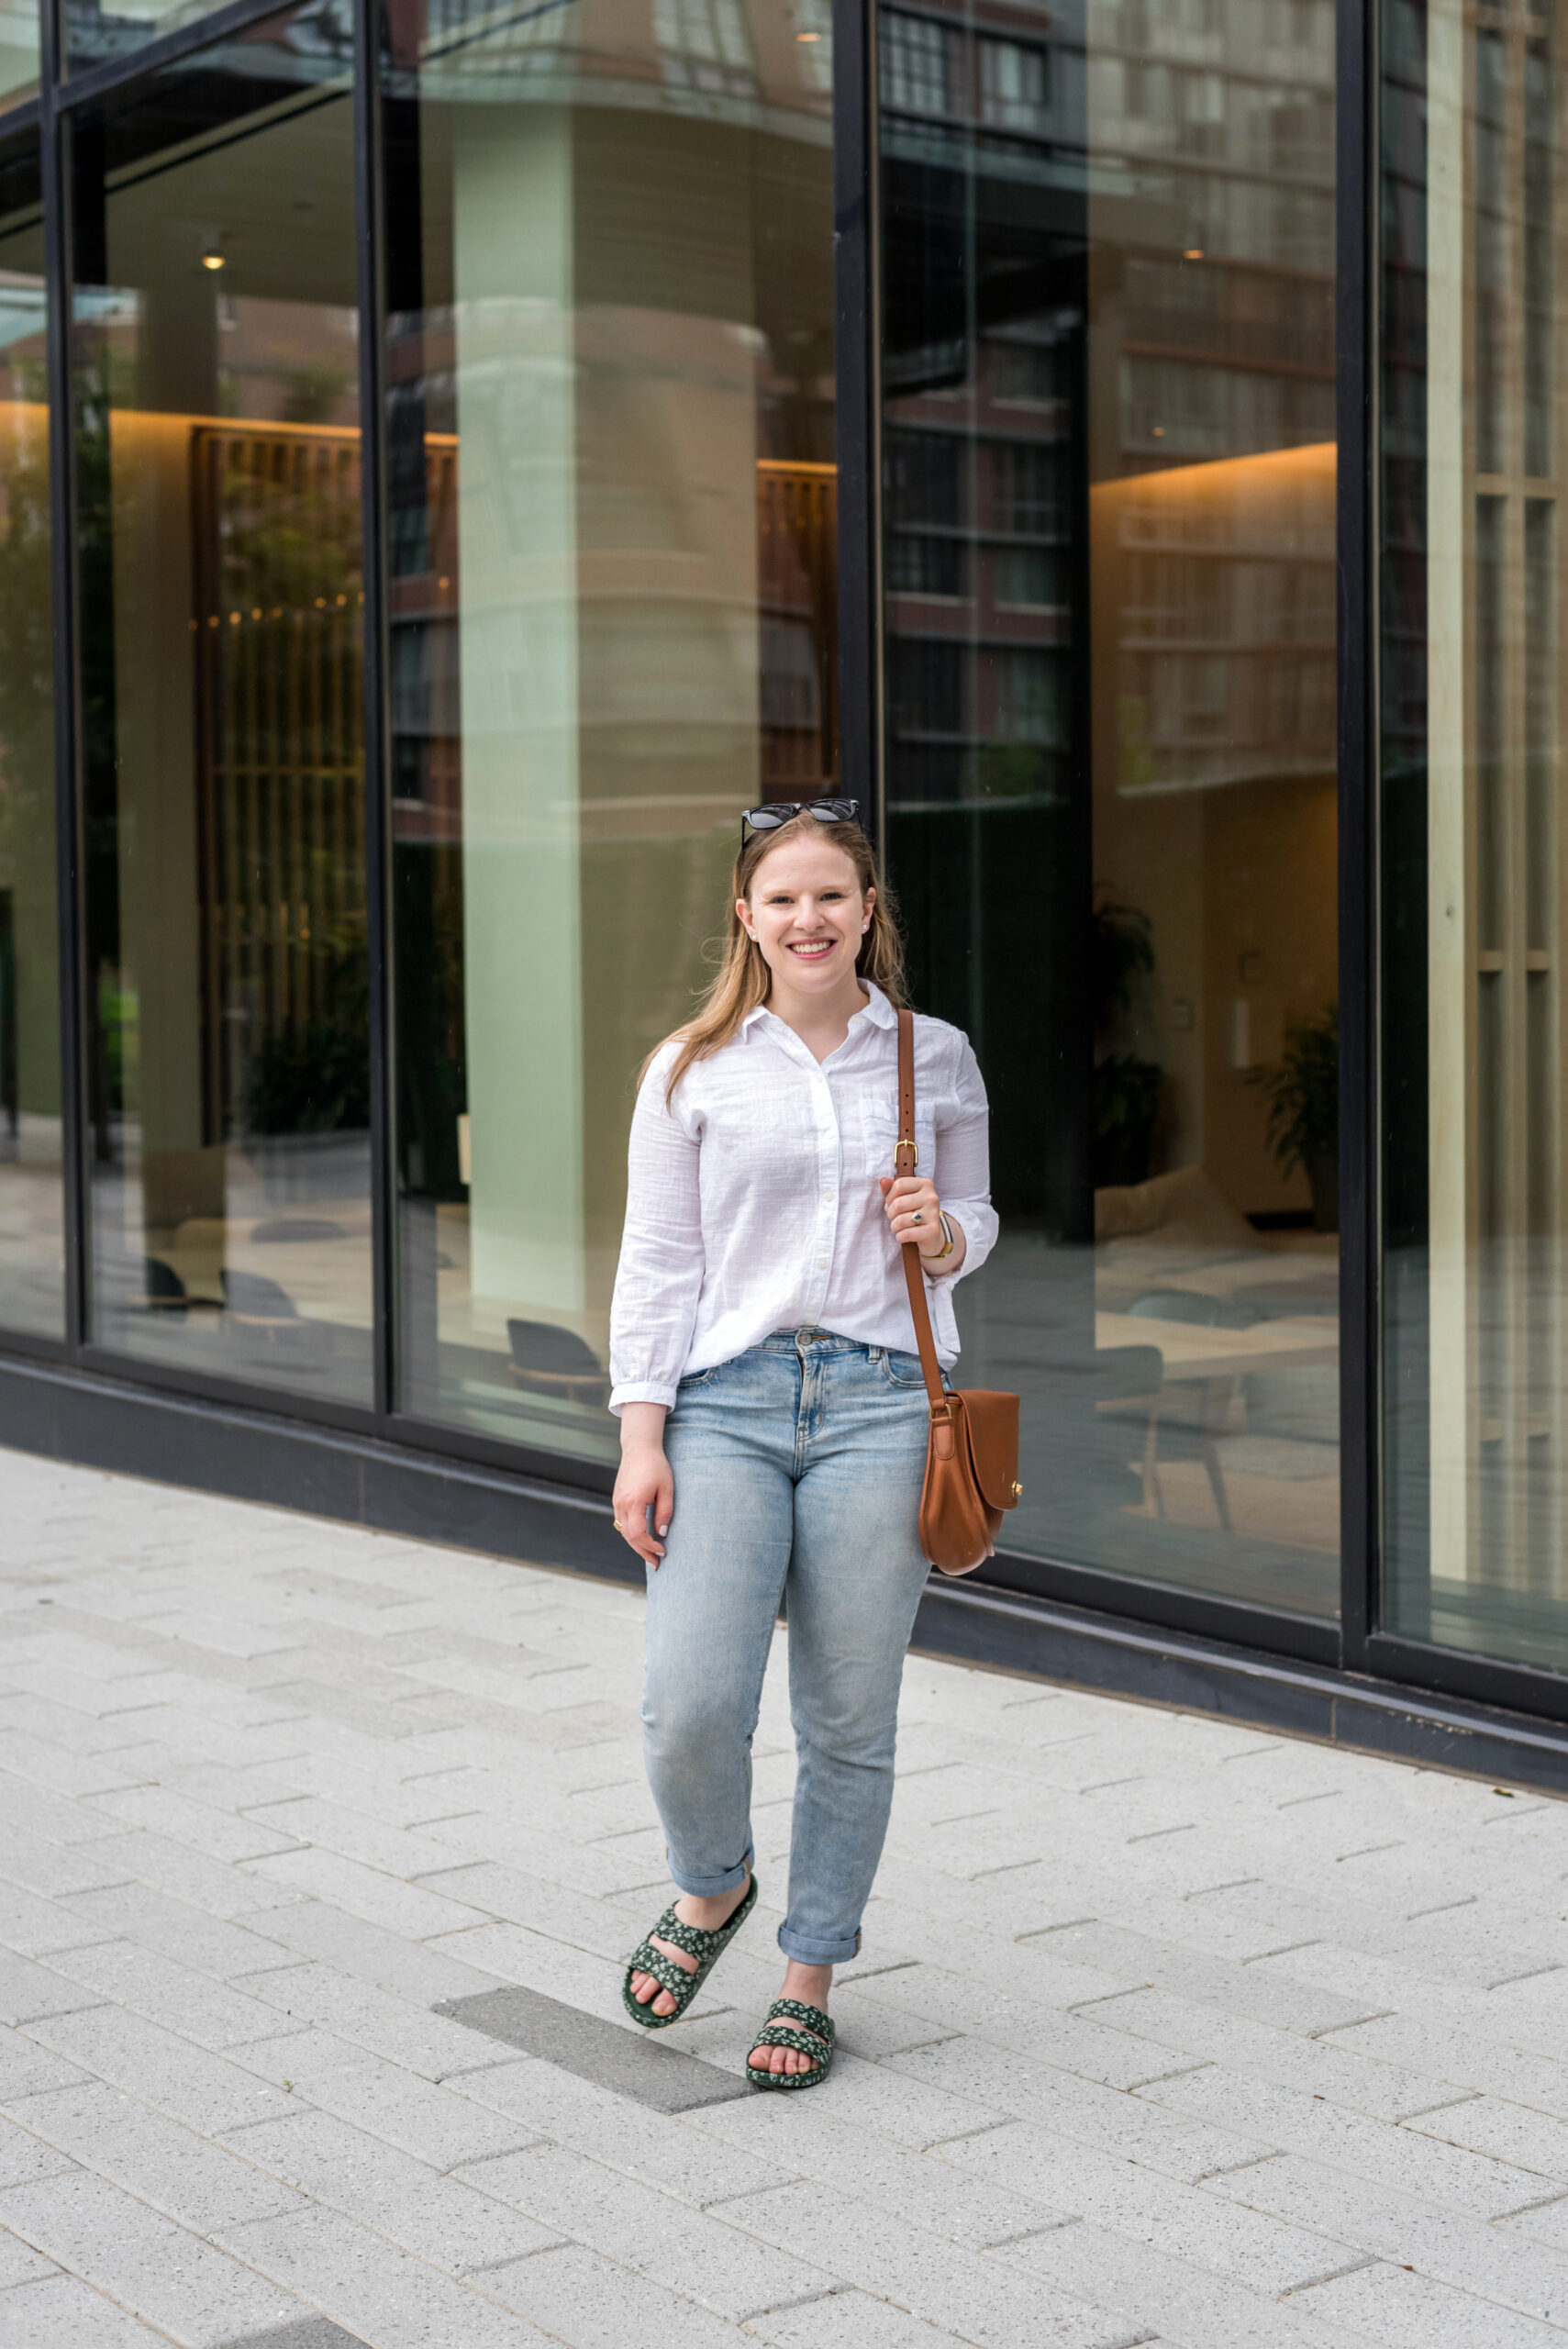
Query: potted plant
[[1303, 1095], [1125, 1088]]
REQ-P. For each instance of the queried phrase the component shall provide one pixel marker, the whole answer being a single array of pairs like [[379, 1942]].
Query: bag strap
[[905, 1158]]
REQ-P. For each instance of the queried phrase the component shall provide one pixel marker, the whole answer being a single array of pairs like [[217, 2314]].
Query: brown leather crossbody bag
[[971, 1452]]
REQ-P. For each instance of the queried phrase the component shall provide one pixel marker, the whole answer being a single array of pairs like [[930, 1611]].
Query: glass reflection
[[611, 523], [18, 50], [1475, 1199], [217, 464], [32, 1225], [1108, 381]]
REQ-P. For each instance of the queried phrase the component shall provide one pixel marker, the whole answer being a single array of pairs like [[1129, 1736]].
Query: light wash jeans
[[798, 1473]]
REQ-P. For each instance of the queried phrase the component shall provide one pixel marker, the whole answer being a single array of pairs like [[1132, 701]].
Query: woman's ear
[[743, 915]]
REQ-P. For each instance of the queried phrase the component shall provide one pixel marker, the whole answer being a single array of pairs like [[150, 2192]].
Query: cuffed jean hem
[[806, 1952], [714, 1888]]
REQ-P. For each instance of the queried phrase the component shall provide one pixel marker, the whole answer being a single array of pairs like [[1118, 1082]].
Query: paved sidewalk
[[1163, 2031]]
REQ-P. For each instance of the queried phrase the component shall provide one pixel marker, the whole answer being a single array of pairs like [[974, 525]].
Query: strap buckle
[[942, 1411], [906, 1142]]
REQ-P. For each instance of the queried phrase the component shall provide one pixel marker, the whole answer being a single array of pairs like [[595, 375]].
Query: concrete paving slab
[[643, 2067], [1163, 2031]]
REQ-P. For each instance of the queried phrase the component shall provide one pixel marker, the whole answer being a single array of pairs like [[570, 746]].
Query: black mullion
[[367, 198], [55, 135], [1355, 350], [857, 312]]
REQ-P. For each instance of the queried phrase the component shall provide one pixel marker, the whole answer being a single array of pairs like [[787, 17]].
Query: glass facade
[[1108, 418], [611, 533], [1475, 1149], [19, 38], [32, 1261], [452, 460], [214, 375]]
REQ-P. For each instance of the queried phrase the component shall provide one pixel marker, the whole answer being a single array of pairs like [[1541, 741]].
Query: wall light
[[214, 257]]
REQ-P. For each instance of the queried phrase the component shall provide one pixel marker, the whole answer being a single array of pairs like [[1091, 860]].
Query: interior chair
[[1200, 1441], [165, 1292], [548, 1360], [254, 1302]]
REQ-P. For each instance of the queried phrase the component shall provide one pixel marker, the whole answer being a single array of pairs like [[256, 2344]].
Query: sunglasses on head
[[782, 811]]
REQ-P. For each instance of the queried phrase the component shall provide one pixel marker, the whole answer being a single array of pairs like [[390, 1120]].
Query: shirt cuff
[[647, 1391]]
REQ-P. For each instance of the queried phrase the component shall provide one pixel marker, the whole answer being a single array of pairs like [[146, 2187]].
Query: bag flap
[[992, 1419]]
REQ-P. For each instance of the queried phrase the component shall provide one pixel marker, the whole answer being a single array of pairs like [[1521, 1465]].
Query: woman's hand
[[644, 1482], [914, 1212]]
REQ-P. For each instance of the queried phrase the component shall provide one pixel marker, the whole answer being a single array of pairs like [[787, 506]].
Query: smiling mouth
[[812, 950]]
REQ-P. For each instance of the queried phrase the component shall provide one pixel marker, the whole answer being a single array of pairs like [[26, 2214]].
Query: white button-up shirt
[[753, 1202]]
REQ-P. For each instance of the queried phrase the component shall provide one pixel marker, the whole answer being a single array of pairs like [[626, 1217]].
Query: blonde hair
[[744, 978]]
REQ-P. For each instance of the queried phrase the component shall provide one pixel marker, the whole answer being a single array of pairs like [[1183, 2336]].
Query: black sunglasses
[[782, 811]]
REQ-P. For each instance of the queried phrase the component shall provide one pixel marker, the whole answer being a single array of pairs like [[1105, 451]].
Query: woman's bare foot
[[810, 1985], [711, 1916]]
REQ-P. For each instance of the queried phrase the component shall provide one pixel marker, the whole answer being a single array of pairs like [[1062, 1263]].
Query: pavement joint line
[[1442, 1909], [1331, 2275], [1443, 2104], [962, 2136], [1286, 1949]]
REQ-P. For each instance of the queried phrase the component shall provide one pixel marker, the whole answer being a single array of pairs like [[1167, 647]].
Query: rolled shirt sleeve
[[660, 1276], [963, 1165]]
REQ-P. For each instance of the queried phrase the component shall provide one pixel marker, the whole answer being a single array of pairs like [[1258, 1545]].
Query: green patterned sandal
[[707, 1948], [815, 2039]]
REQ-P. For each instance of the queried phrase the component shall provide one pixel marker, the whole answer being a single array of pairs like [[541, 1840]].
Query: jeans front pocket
[[902, 1370]]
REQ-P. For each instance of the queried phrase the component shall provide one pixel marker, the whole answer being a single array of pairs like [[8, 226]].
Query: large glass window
[[1476, 1148], [1111, 793], [218, 467], [32, 1225], [612, 609], [18, 50]]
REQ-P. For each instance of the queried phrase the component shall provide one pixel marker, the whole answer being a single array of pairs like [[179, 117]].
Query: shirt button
[[821, 1263]]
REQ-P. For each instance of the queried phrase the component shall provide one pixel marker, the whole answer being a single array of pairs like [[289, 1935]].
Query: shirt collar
[[877, 1013]]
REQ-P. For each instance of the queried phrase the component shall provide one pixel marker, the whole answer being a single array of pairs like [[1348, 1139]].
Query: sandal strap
[[696, 1940], [646, 1959], [812, 2017], [805, 2043]]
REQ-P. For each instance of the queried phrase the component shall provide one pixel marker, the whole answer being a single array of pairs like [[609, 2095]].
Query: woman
[[772, 1414]]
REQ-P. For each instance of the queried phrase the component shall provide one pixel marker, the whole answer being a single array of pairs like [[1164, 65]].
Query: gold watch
[[942, 1254]]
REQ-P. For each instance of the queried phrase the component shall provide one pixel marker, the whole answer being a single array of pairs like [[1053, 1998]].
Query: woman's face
[[806, 913]]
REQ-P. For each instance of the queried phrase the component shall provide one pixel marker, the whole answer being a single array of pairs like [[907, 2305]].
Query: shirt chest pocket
[[879, 1122]]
